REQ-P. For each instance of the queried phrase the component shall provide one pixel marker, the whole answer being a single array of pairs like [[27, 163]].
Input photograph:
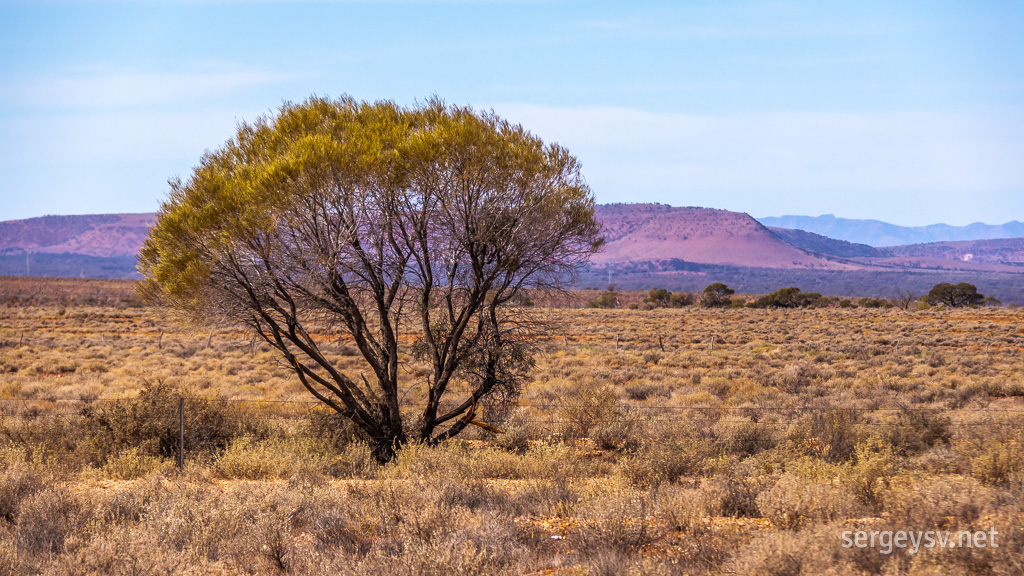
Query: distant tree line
[[719, 295]]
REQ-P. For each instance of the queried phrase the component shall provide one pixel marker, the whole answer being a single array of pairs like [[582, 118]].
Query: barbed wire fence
[[545, 418]]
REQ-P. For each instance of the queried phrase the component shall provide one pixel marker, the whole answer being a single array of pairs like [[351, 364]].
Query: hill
[[99, 235], [825, 245], [642, 232], [1005, 251], [647, 245], [877, 233]]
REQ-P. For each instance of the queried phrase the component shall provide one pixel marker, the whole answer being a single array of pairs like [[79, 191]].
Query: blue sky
[[909, 112]]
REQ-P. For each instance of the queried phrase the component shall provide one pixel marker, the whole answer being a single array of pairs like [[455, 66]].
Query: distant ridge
[[825, 245], [877, 233], [647, 246], [99, 235]]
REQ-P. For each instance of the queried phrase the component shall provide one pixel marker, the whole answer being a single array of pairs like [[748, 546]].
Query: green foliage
[[954, 296], [661, 298], [790, 297], [606, 299], [373, 218], [716, 296], [874, 303]]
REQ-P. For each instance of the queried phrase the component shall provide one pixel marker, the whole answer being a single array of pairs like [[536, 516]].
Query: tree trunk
[[385, 449]]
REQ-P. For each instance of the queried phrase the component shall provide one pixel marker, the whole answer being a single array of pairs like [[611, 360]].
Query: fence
[[179, 419]]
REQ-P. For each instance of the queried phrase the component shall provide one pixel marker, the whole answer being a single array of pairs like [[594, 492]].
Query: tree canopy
[[375, 221], [716, 295], [954, 295]]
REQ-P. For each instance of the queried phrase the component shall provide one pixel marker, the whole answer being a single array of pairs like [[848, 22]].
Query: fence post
[[181, 433]]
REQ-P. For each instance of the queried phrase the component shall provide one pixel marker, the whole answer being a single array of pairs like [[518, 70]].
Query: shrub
[[830, 434], [874, 303], [130, 464], [586, 406], [149, 423], [790, 297], [607, 299], [46, 520], [615, 518], [793, 503], [19, 481], [716, 296]]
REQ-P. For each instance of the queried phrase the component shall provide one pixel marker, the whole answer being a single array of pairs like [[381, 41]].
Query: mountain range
[[646, 245], [877, 233]]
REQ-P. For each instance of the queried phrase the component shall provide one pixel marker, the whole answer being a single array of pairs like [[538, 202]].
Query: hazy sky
[[909, 112]]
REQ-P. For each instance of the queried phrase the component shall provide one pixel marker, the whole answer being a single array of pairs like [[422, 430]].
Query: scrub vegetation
[[654, 440]]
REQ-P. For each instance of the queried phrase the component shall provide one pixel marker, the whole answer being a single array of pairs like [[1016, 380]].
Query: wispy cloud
[[113, 88]]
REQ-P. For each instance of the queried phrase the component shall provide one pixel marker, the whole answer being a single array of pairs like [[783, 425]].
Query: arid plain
[[665, 441]]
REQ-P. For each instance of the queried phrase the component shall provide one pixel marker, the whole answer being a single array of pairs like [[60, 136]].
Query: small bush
[[794, 503], [616, 519], [18, 482], [130, 464], [149, 423], [46, 520]]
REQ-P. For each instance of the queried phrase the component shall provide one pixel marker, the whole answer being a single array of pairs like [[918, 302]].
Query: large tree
[[954, 295], [377, 222]]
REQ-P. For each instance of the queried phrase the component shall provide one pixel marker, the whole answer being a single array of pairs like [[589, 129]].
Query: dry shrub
[[991, 453], [684, 512], [275, 457], [150, 423], [815, 551], [460, 460], [121, 553], [682, 509], [913, 431], [336, 529], [46, 439], [554, 497], [746, 438], [736, 497], [654, 464], [828, 434], [617, 518], [329, 426], [795, 377], [586, 406], [19, 481], [519, 433], [793, 503], [354, 461], [619, 432], [130, 464], [47, 520], [641, 390], [869, 477], [941, 503]]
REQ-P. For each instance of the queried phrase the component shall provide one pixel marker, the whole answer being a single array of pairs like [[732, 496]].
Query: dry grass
[[659, 455]]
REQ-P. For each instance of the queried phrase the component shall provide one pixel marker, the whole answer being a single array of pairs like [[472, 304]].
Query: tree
[[905, 299], [716, 295], [375, 221], [790, 297], [662, 298], [954, 296]]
